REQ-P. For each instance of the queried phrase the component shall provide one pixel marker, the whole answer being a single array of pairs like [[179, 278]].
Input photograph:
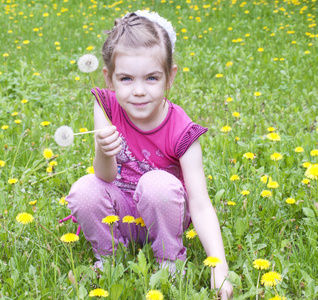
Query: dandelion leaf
[[162, 275], [218, 196], [116, 290]]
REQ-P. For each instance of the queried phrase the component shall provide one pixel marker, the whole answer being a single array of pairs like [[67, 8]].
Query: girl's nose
[[139, 90]]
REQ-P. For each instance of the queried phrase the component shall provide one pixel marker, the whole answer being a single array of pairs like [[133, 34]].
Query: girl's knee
[[86, 193], [159, 186]]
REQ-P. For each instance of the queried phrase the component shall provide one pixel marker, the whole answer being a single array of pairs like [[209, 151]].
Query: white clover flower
[[64, 136], [88, 63]]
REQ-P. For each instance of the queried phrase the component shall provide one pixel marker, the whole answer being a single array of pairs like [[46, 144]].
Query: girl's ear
[[173, 73], [108, 80]]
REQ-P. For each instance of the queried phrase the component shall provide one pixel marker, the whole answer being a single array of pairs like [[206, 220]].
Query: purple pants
[[159, 199]]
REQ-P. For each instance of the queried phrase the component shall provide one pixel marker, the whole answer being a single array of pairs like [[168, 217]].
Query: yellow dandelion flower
[[140, 221], [257, 94], [49, 169], [4, 127], [26, 42], [314, 152], [312, 172], [69, 238], [62, 201], [231, 203], [276, 156], [266, 194], [191, 234], [90, 48], [98, 293], [47, 153], [24, 101], [219, 75], [290, 201], [261, 264], [272, 185], [211, 261], [299, 149], [271, 278], [33, 202], [45, 15], [90, 170], [264, 178], [77, 78], [306, 164], [154, 295], [229, 64], [237, 138], [245, 193], [13, 180], [260, 49], [128, 219], [2, 163], [186, 69], [110, 219], [53, 163], [273, 136], [234, 178], [305, 181], [278, 298], [83, 129], [45, 123], [249, 155], [17, 121], [271, 129], [210, 177], [226, 128], [24, 218], [236, 114], [229, 99]]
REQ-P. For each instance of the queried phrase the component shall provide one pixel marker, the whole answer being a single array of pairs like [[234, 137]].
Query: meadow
[[247, 70]]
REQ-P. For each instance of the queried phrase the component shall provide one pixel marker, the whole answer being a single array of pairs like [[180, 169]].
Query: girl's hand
[[225, 287], [108, 141]]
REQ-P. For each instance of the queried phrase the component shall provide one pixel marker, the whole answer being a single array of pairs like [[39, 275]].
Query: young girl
[[147, 164]]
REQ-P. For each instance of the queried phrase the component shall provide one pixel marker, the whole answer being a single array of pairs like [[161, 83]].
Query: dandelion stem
[[92, 131], [113, 243], [99, 101], [259, 274], [77, 292]]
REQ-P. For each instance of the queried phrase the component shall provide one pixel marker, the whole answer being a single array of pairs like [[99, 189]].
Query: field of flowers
[[247, 70]]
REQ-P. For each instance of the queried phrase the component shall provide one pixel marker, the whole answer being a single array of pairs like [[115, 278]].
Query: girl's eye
[[125, 79], [152, 78]]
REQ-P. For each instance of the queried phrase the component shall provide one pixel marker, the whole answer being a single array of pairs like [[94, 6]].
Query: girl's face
[[140, 82]]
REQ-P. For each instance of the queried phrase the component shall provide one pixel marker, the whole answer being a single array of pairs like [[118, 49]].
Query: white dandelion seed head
[[64, 136], [87, 63]]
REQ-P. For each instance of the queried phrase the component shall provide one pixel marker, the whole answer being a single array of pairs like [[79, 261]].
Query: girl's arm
[[107, 145], [203, 214]]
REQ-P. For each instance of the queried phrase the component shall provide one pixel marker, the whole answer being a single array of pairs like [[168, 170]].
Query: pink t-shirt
[[157, 149]]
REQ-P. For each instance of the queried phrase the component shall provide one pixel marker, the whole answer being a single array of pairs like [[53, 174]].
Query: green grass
[[35, 264]]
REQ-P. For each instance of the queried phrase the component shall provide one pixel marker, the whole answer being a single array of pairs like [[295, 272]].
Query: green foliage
[[38, 63]]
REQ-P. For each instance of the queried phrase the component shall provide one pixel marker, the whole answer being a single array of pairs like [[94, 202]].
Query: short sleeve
[[190, 134], [104, 96]]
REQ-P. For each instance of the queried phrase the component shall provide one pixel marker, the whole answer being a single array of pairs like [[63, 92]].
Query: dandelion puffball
[[88, 63], [64, 136]]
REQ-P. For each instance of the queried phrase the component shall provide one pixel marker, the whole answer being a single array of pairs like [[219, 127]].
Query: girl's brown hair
[[134, 32]]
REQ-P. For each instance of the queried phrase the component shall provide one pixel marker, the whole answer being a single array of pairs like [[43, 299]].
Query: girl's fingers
[[112, 146]]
